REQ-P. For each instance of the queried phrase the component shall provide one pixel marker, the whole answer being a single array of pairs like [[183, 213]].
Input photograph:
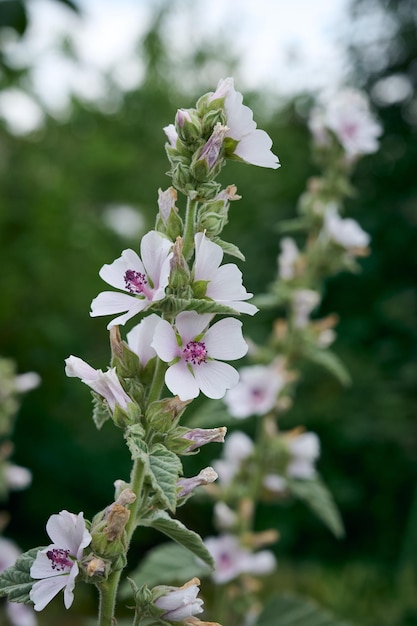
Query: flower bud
[[186, 486], [188, 126], [209, 161], [180, 272], [124, 360], [178, 603], [165, 414]]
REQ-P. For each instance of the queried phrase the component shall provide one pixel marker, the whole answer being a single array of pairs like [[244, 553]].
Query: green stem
[[157, 381], [188, 239]]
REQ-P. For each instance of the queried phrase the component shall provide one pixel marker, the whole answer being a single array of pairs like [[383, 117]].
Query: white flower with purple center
[[224, 282], [252, 144], [256, 392], [231, 559], [192, 349], [106, 384], [57, 566], [348, 116], [144, 279]]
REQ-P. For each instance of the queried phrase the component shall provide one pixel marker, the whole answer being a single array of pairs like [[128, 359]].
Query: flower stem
[[157, 381], [188, 239]]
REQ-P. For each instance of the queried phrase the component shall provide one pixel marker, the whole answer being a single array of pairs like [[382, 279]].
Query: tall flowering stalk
[[276, 465], [172, 291]]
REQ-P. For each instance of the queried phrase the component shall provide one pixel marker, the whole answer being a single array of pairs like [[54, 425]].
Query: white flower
[[27, 382], [139, 339], [145, 279], [304, 301], [253, 145], [224, 516], [287, 258], [166, 202], [304, 450], [237, 448], [187, 485], [224, 282], [256, 392], [172, 135], [180, 603], [193, 350], [106, 384], [57, 565], [17, 477], [231, 559], [347, 114], [344, 231]]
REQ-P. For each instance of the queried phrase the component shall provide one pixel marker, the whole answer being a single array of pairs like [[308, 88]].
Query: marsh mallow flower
[[346, 232], [250, 144], [223, 282], [256, 392], [232, 559], [145, 279], [192, 350], [57, 566], [106, 384], [179, 603]]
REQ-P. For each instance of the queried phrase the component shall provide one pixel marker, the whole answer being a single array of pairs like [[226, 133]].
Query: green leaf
[[321, 502], [289, 610], [167, 564], [174, 529], [330, 361], [134, 436], [174, 305], [229, 248], [164, 470], [16, 581]]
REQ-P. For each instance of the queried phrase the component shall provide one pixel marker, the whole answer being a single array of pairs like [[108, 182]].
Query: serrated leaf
[[330, 361], [134, 436], [229, 248], [173, 305], [174, 529], [320, 500], [16, 581], [289, 610], [164, 471], [167, 564]]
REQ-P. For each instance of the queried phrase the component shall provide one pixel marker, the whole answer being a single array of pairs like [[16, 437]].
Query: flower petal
[[165, 342], [69, 588], [256, 149], [224, 340], [215, 377], [68, 532], [114, 273], [181, 382], [76, 367], [190, 324], [139, 339], [44, 590], [155, 251], [110, 302], [208, 256]]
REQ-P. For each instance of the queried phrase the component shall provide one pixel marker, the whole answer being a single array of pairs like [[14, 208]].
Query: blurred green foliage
[[55, 187]]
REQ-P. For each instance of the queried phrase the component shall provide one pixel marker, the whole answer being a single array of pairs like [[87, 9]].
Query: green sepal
[[199, 288], [172, 305], [229, 248], [125, 361], [315, 493], [174, 529], [230, 146], [101, 410], [16, 581], [163, 415]]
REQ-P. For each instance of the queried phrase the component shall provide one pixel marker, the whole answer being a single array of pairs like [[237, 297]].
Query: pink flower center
[[135, 282], [59, 559], [195, 352]]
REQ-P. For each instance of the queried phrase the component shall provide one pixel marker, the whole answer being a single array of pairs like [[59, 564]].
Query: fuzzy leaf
[[16, 581], [167, 564], [289, 610], [174, 529], [330, 361], [320, 500], [174, 305], [164, 470], [229, 248], [101, 410], [134, 436]]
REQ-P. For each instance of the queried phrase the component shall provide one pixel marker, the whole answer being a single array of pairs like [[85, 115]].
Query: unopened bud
[[188, 126], [96, 567], [180, 272], [116, 521]]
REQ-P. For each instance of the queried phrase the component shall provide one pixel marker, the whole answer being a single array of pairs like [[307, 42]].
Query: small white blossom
[[256, 392], [180, 603], [287, 258], [237, 448], [144, 279], [27, 382], [231, 559], [253, 144], [304, 450], [106, 384], [348, 116], [224, 517], [17, 477], [224, 282], [346, 232], [172, 135], [304, 302], [166, 202], [192, 350], [57, 565]]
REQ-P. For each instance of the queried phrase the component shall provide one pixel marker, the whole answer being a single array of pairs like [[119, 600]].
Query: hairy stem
[[188, 239]]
